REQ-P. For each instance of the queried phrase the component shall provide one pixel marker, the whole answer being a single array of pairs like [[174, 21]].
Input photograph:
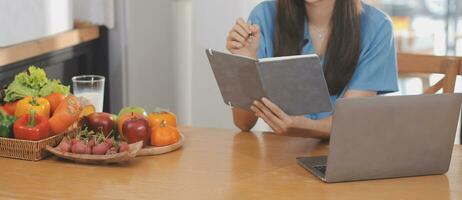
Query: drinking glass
[[91, 87]]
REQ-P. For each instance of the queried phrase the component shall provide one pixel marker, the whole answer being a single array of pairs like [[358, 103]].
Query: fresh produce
[[100, 121], [132, 109], [122, 118], [91, 142], [115, 119], [55, 99], [155, 118], [40, 105], [123, 147], [164, 135], [136, 128], [79, 147], [33, 82], [10, 107], [31, 127], [101, 148], [3, 109], [87, 110], [53, 86], [65, 145], [66, 114], [6, 124]]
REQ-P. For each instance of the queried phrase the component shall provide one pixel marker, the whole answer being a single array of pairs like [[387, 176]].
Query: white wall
[[150, 50], [25, 20], [149, 54]]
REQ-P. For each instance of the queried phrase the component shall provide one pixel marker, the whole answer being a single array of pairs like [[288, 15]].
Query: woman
[[354, 41]]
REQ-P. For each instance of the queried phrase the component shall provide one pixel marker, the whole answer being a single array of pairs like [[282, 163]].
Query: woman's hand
[[243, 39], [277, 119]]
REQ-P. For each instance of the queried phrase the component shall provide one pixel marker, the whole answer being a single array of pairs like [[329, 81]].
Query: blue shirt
[[376, 68]]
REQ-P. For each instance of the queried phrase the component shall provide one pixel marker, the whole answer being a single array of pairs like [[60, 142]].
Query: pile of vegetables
[[37, 108], [91, 142], [104, 133]]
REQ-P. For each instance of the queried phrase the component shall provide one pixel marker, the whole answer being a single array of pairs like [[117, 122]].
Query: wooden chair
[[429, 64]]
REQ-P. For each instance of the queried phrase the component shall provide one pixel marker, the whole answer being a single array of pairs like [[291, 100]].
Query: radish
[[64, 146], [79, 147], [110, 142], [100, 149], [73, 141], [88, 149], [111, 151], [91, 142], [123, 147]]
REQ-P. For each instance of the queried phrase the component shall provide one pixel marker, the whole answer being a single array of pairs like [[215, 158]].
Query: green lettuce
[[33, 82], [34, 78], [17, 91], [53, 86]]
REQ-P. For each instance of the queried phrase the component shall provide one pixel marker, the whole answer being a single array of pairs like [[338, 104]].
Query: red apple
[[136, 129], [100, 121], [121, 119]]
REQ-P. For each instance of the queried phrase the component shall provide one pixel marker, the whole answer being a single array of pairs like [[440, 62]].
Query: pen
[[250, 22]]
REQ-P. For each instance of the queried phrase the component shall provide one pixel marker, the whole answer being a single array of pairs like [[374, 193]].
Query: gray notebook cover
[[294, 83]]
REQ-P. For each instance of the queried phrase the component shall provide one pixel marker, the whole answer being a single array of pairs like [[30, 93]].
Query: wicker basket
[[30, 150]]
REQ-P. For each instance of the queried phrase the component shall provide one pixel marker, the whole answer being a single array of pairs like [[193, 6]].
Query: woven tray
[[98, 159], [152, 150], [30, 150]]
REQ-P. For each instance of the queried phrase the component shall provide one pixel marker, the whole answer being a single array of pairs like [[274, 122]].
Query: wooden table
[[215, 164]]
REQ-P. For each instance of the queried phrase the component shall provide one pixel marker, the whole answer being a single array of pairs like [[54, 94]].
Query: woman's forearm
[[305, 127], [302, 126], [243, 119]]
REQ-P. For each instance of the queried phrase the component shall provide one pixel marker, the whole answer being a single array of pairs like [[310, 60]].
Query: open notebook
[[295, 83]]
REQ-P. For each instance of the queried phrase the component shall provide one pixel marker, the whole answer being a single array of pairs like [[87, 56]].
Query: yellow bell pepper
[[40, 105]]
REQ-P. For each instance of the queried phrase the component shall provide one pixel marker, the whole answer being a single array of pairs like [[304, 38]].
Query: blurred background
[[152, 52]]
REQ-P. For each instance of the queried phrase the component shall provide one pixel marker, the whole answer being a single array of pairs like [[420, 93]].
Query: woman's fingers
[[240, 30], [270, 123], [247, 35], [234, 36], [267, 112], [274, 108], [234, 45], [287, 120], [244, 25]]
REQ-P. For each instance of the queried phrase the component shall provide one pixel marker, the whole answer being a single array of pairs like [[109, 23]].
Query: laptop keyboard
[[321, 168]]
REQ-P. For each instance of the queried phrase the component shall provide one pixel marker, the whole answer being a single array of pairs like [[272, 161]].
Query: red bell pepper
[[31, 127]]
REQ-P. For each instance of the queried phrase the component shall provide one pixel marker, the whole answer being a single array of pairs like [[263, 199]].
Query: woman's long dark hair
[[343, 47]]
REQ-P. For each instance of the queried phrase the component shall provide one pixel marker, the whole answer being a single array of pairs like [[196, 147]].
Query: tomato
[[164, 135], [10, 107], [156, 118], [55, 99]]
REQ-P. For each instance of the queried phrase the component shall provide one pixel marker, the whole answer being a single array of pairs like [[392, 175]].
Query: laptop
[[388, 137]]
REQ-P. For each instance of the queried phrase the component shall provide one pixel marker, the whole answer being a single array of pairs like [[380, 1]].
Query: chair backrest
[[430, 64]]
